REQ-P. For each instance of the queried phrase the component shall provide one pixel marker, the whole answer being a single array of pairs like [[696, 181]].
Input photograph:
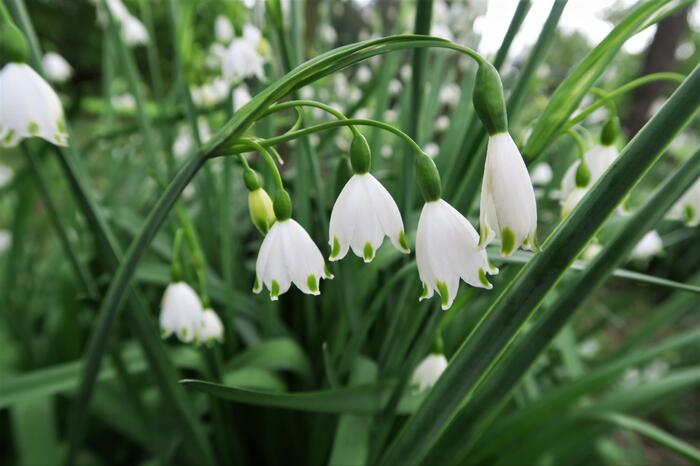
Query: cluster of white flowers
[[182, 314]]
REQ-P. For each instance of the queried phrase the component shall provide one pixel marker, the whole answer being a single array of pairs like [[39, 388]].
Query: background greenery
[[319, 381]]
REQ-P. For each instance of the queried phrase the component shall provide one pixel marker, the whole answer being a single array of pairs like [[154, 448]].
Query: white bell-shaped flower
[[649, 246], [687, 208], [29, 107], [508, 207], [289, 255], [180, 312], [242, 59], [56, 67], [447, 250], [223, 29], [362, 215], [133, 31], [210, 329], [428, 371], [597, 160]]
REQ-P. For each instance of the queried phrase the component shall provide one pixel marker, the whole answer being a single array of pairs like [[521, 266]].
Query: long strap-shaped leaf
[[517, 302], [524, 353]]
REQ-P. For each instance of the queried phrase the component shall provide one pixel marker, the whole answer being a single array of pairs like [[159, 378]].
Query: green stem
[[333, 124], [580, 144], [258, 146], [176, 270], [610, 96]]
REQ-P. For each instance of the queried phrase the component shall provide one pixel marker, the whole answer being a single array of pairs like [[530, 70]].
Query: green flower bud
[[428, 178], [12, 43], [262, 213], [360, 156], [488, 99], [282, 205], [583, 175], [251, 179], [610, 132]]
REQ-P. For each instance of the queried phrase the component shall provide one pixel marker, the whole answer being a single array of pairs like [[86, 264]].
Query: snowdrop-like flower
[[133, 31], [429, 371], [687, 208], [56, 67], [180, 312], [210, 329], [241, 96], [223, 29], [29, 107], [446, 251], [211, 93], [649, 246], [508, 208], [541, 174], [597, 160], [362, 215], [242, 59], [289, 255]]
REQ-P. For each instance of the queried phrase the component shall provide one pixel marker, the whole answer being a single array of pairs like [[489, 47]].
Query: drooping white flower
[[649, 246], [289, 255], [223, 29], [210, 328], [362, 215], [180, 312], [508, 207], [597, 160], [428, 371], [687, 208], [124, 102], [241, 96], [56, 67], [29, 107], [242, 59], [541, 174], [446, 251], [133, 31], [210, 93]]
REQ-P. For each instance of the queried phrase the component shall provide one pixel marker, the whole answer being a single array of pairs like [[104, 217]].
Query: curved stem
[[308, 103], [328, 125], [258, 146], [676, 77], [579, 142]]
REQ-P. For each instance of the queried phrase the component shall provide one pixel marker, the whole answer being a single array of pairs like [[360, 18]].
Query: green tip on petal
[[507, 242], [327, 273], [483, 235], [256, 286], [183, 334], [689, 213], [403, 243], [368, 252], [33, 128], [274, 290], [9, 136], [424, 293], [164, 333], [483, 280], [444, 295], [312, 283], [335, 250]]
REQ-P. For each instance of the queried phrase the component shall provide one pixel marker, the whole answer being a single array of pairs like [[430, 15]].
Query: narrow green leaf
[[359, 400], [653, 433]]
